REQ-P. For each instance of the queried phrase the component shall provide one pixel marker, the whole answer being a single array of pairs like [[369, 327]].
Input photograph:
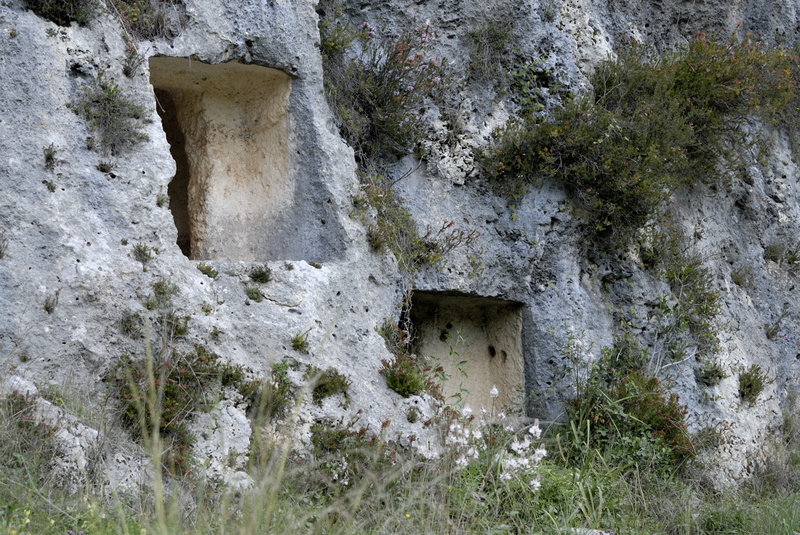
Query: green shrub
[[403, 375], [108, 112], [254, 293], [490, 44], [655, 124], [163, 292], [327, 383], [184, 383], [752, 381], [276, 394], [395, 228], [63, 12], [630, 416], [300, 342], [261, 274], [142, 254], [207, 270], [145, 18], [50, 157], [376, 86], [711, 373]]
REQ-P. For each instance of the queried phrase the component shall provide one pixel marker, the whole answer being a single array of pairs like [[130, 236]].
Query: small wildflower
[[494, 393]]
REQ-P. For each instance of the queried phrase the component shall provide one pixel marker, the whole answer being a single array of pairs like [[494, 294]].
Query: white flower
[[494, 393], [535, 484], [466, 411], [535, 430]]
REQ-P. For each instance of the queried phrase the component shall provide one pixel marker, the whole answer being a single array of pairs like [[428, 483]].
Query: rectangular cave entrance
[[478, 341], [228, 130]]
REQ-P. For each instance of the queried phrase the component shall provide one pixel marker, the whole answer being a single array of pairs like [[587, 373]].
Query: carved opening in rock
[[228, 129], [477, 340]]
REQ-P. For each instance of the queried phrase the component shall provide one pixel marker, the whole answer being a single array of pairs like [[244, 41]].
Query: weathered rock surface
[[270, 182]]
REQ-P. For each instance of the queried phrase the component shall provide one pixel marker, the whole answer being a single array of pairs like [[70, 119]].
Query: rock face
[[243, 167]]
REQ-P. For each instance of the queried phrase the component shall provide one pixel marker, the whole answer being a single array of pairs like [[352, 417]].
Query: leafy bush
[[254, 293], [752, 381], [166, 391], [377, 86], [490, 44], [261, 274], [163, 292], [207, 270], [146, 18], [630, 415], [654, 125], [395, 228], [112, 114], [63, 12], [403, 375], [327, 383], [710, 373], [300, 342]]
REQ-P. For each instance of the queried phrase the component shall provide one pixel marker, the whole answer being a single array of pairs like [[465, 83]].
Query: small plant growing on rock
[[261, 274], [3, 244], [207, 270], [773, 329], [490, 44], [277, 393], [145, 18], [711, 373], [377, 86], [142, 254], [166, 391], [50, 157], [131, 324], [63, 12], [403, 375], [327, 383], [111, 114], [254, 293], [51, 301], [161, 298], [300, 341], [742, 276], [774, 252], [752, 381], [106, 166]]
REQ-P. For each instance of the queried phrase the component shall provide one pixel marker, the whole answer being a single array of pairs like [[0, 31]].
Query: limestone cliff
[[243, 166]]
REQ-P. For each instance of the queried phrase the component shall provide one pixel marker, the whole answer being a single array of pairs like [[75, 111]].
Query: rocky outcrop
[[243, 167]]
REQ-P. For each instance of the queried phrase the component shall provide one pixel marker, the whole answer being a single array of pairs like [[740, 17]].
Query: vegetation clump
[[261, 274], [207, 270], [165, 391], [377, 86], [148, 19], [113, 115], [655, 124], [300, 341], [163, 292], [490, 43], [752, 381], [327, 383], [64, 12], [393, 227]]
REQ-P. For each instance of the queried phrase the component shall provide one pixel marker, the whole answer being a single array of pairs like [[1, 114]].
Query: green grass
[[382, 489]]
